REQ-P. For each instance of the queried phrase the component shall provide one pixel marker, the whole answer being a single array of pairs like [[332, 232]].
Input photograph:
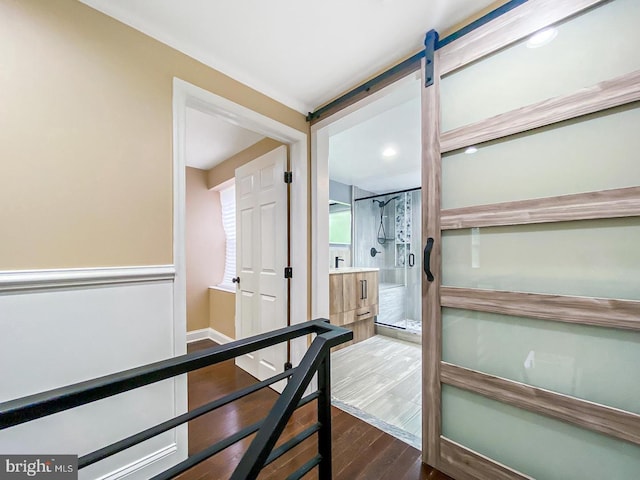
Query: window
[[228, 203], [339, 223]]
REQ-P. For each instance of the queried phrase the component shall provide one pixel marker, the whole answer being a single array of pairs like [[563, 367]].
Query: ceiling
[[300, 53], [357, 142], [211, 140]]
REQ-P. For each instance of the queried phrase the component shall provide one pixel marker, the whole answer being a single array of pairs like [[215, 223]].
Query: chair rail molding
[[13, 281]]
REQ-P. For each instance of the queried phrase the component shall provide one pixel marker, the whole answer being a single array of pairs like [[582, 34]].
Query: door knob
[[236, 280]]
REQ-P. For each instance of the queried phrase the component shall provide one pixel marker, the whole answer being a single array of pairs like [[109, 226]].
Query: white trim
[[186, 94], [29, 280], [208, 334], [320, 225], [219, 337], [224, 288], [197, 335], [140, 464], [180, 262], [224, 185]]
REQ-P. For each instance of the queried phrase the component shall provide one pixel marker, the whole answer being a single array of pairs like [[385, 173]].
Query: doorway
[[189, 96], [367, 201]]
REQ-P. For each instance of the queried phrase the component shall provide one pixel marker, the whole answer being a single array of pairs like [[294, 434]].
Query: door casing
[[188, 95]]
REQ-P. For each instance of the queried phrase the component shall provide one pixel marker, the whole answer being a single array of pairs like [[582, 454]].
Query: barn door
[[531, 226]]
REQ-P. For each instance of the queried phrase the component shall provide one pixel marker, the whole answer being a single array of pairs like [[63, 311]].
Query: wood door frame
[[499, 33], [188, 95]]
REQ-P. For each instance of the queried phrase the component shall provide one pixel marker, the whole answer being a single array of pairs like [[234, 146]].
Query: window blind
[[228, 203]]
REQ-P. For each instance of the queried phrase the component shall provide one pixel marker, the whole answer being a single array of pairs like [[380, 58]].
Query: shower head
[[382, 204]]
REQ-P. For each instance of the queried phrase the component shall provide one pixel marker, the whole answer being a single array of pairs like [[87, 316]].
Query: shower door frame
[[414, 249], [438, 451]]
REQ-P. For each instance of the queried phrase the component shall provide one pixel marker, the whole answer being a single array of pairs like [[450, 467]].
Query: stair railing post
[[324, 417]]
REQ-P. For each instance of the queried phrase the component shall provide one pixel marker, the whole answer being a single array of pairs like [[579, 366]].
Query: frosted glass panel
[[596, 46], [594, 258], [592, 363], [541, 447], [596, 152]]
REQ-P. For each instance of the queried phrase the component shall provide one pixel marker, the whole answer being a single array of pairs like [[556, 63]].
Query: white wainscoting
[[59, 327]]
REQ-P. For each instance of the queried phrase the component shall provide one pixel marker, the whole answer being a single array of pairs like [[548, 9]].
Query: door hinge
[[288, 272], [288, 177]]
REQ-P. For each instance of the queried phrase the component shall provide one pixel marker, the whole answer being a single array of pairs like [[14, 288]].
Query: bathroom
[[385, 229], [374, 226]]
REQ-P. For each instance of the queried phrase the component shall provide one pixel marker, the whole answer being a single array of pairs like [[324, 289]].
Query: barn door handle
[[412, 259], [427, 259]]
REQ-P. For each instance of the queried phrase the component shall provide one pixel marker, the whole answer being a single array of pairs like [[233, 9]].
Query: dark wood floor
[[360, 451]]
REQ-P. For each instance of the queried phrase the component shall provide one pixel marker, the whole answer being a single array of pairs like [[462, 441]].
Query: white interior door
[[262, 247]]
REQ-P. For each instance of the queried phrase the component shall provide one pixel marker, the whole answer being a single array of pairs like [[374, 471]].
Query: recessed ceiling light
[[542, 37], [471, 150], [389, 152]]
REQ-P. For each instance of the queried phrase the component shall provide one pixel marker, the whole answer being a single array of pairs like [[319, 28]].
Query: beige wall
[[205, 245], [85, 136], [227, 169], [222, 312]]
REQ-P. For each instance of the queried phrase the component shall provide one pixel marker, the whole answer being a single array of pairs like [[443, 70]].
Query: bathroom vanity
[[353, 300]]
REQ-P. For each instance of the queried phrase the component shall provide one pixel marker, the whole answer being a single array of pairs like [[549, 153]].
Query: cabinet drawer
[[359, 314]]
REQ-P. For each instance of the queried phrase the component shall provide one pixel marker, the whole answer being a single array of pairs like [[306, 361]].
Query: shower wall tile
[[403, 218], [392, 305], [399, 219]]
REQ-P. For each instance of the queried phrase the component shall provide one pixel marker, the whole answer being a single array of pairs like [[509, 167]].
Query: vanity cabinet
[[353, 303]]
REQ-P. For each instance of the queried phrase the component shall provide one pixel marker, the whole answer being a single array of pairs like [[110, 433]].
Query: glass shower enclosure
[[387, 236]]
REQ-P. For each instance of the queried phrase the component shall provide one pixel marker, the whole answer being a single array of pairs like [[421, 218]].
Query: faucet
[[339, 259]]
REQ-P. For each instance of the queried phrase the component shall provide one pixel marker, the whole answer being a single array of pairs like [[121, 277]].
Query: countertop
[[337, 271]]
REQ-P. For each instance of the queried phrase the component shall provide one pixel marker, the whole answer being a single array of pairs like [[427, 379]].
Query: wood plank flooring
[[360, 451]]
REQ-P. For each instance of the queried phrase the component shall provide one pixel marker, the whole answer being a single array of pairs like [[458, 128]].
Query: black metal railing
[[261, 451]]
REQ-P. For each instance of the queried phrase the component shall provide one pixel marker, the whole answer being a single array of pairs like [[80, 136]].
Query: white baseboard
[[218, 337], [208, 334], [197, 335], [138, 465]]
